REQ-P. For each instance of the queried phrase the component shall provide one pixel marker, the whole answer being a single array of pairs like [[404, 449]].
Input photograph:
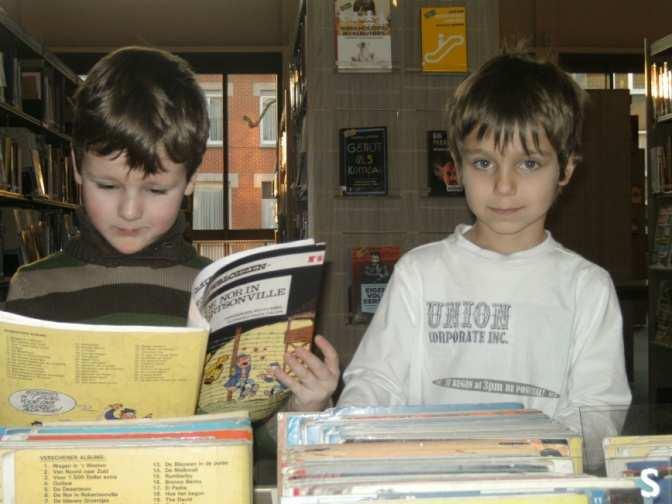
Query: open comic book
[[247, 311]]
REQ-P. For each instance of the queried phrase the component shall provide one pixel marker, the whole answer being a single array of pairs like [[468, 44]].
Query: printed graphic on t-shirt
[[476, 323], [468, 322], [495, 387]]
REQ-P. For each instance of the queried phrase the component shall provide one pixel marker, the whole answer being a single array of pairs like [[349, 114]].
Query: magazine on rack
[[247, 311]]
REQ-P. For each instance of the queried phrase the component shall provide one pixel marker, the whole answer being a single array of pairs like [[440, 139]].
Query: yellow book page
[[239, 374], [3, 452], [53, 374], [576, 452], [157, 475], [660, 440]]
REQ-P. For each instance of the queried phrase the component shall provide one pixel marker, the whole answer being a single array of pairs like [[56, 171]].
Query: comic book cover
[[371, 271]]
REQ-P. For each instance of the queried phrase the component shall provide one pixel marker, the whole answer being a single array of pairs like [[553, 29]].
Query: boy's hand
[[315, 380]]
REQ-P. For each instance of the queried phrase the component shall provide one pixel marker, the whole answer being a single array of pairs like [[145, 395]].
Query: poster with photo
[[371, 271], [444, 39], [363, 36], [442, 172], [363, 160]]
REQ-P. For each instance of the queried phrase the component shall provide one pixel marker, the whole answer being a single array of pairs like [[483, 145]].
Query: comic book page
[[59, 371], [259, 306]]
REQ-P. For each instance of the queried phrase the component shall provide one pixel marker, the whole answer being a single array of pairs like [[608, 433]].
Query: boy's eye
[[105, 187], [158, 191], [481, 164], [531, 164]]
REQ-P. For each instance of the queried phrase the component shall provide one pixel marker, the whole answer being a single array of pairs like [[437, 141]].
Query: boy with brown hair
[[140, 131], [499, 311]]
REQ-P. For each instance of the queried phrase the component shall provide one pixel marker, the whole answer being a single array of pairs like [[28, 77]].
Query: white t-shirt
[[461, 324]]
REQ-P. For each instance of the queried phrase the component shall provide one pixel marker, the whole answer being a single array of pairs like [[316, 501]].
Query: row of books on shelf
[[488, 453], [30, 166], [192, 459], [442, 454], [661, 255], [661, 167], [663, 335], [36, 88], [661, 89], [42, 233], [35, 235]]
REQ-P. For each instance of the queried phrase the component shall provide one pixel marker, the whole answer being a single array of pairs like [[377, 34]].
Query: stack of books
[[647, 459], [446, 453], [196, 459]]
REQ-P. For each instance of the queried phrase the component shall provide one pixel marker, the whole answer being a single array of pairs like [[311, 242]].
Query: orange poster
[[444, 39]]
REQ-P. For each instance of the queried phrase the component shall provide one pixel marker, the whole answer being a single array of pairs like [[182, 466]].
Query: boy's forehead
[[117, 162], [515, 139]]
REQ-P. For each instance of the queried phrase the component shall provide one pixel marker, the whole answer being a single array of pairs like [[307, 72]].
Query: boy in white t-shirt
[[499, 311]]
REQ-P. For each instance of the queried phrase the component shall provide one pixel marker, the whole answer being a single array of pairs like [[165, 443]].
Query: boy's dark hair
[[514, 92], [141, 102]]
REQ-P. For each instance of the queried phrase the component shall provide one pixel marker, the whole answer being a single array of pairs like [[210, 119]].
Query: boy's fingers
[[288, 381], [315, 368], [330, 354]]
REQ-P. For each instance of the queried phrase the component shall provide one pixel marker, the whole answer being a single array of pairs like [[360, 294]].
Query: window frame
[[209, 94]]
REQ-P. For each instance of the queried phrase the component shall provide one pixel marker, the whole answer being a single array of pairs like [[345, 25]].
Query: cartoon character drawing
[[213, 368], [364, 54], [240, 379], [117, 411], [269, 377]]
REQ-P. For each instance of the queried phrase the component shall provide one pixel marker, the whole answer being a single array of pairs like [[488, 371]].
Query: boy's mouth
[[505, 211], [127, 232]]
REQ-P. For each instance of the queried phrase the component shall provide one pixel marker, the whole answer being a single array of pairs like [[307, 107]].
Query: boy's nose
[[505, 182], [130, 207]]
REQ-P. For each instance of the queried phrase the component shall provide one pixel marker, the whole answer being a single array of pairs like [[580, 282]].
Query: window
[[268, 205], [268, 127], [267, 190], [216, 113]]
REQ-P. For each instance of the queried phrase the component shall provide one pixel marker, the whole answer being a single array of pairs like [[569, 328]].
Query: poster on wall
[[363, 160], [444, 39], [363, 36], [442, 172], [371, 271]]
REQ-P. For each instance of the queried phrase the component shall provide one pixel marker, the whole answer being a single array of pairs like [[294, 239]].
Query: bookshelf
[[294, 124], [658, 69], [38, 193]]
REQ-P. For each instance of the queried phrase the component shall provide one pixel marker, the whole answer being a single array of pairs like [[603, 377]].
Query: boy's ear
[[569, 171], [190, 185]]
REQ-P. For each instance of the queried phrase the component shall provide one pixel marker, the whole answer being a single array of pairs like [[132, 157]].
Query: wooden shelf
[[12, 199], [18, 118], [661, 45], [667, 118]]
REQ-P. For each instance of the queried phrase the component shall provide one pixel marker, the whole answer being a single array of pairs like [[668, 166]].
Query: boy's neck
[[502, 243]]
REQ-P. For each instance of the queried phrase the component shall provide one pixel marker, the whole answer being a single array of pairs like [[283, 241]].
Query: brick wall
[[246, 155]]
